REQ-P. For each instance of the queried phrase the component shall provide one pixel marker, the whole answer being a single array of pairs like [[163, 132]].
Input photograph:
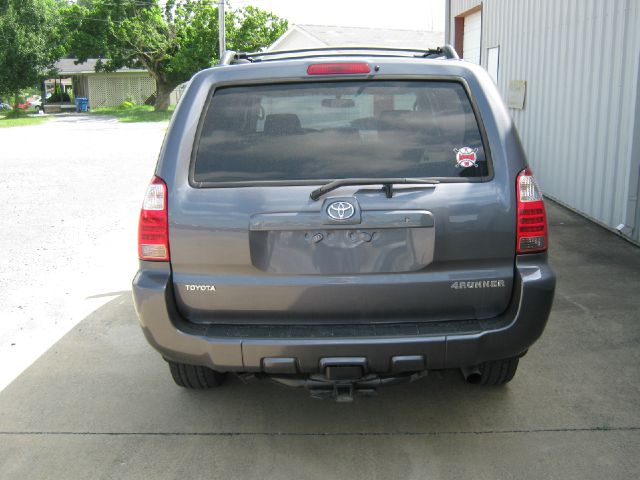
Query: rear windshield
[[325, 131]]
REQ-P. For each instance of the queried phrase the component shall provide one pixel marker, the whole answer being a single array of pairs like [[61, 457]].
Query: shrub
[[16, 113], [57, 98]]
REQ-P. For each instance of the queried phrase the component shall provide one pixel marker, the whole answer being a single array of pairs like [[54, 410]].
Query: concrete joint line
[[327, 434]]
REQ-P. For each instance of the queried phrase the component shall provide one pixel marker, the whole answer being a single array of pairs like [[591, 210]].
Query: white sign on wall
[[493, 60]]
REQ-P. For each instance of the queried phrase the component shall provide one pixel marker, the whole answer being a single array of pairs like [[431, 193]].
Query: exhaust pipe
[[472, 374]]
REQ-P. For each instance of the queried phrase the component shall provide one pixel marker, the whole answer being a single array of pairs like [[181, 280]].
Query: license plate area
[[342, 251]]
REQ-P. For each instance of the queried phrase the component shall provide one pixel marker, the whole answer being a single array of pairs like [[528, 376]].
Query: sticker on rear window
[[466, 157]]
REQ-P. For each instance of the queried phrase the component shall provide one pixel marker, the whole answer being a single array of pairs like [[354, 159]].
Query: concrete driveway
[[100, 403], [70, 196]]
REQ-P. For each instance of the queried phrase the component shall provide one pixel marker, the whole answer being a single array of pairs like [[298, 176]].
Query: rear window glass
[[324, 131]]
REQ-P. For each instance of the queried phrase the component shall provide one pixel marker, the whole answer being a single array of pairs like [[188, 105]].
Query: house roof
[[332, 36], [68, 66]]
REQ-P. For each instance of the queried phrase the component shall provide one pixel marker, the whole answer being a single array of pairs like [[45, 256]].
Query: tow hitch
[[344, 390]]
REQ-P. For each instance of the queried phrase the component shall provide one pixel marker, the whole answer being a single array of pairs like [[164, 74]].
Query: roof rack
[[230, 57]]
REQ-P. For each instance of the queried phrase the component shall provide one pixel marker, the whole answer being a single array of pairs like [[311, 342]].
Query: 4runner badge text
[[478, 284], [201, 288]]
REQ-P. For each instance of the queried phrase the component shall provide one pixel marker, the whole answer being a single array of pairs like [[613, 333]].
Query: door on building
[[472, 37], [468, 34]]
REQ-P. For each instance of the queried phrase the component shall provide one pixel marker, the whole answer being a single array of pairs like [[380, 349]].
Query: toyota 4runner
[[342, 219]]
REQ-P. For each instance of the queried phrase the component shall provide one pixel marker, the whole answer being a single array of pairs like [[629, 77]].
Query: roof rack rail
[[228, 57], [231, 57]]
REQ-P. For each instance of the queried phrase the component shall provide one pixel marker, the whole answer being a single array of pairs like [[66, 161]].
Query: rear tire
[[195, 377], [498, 372]]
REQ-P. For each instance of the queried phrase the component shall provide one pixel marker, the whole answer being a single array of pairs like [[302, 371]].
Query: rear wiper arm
[[387, 184]]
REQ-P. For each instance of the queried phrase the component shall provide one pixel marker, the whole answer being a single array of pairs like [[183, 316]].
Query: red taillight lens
[[338, 68], [532, 217], [153, 229]]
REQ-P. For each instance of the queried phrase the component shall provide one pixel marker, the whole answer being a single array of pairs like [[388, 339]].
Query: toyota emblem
[[340, 210]]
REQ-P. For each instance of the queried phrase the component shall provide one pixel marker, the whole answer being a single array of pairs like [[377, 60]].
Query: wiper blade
[[387, 184]]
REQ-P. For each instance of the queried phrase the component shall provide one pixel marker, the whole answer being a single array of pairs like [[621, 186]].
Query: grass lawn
[[23, 120], [138, 113]]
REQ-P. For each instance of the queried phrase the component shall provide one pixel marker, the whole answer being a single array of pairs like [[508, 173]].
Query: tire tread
[[498, 372], [195, 377]]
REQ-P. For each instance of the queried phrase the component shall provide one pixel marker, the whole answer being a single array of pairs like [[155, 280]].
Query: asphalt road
[[100, 403]]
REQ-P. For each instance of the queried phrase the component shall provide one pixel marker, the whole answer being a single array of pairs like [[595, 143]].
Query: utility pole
[[223, 41]]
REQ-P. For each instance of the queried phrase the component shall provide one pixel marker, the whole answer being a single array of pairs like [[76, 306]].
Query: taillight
[[532, 217], [338, 68], [153, 229]]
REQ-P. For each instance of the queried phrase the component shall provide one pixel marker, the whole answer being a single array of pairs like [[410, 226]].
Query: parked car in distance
[[36, 105], [342, 221], [5, 107]]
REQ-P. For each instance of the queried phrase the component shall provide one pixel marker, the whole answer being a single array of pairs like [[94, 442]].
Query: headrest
[[282, 124]]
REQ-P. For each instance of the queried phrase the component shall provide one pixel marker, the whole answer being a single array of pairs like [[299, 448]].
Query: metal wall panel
[[580, 61], [633, 202]]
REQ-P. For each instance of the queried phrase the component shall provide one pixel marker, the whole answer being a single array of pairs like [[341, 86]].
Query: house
[[317, 36], [106, 89], [569, 72]]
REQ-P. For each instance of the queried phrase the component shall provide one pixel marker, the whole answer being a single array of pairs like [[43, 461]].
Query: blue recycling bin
[[82, 104]]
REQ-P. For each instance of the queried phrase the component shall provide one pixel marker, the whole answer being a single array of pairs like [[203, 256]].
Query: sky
[[401, 14]]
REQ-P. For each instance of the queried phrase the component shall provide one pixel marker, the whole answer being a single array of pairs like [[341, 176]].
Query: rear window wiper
[[387, 184]]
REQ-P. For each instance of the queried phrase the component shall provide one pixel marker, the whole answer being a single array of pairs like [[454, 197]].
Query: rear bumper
[[380, 348]]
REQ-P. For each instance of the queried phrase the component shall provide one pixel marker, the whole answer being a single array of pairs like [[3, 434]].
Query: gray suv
[[342, 220]]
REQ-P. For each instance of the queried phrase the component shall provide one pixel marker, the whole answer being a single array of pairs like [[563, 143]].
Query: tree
[[31, 41], [172, 39]]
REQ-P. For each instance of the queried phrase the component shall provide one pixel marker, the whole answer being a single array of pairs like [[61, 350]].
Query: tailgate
[[248, 244]]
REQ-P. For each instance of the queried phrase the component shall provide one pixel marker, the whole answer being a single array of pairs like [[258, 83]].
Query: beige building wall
[[110, 90]]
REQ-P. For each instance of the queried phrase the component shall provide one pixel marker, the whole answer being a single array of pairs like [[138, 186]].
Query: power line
[[160, 3], [125, 2]]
